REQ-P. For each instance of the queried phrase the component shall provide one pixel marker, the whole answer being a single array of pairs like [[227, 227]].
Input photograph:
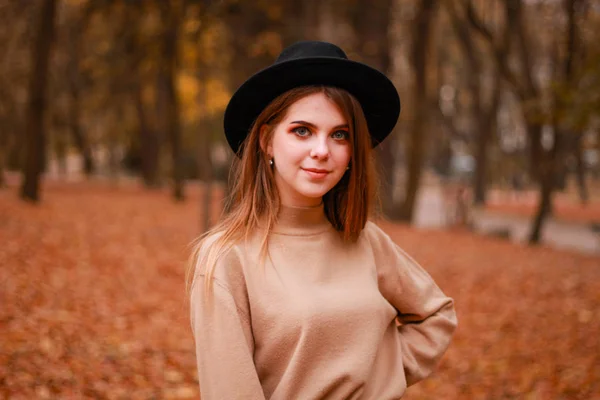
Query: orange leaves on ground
[[92, 295], [93, 303], [528, 318]]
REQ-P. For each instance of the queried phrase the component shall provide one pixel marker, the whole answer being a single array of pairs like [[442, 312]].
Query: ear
[[265, 145]]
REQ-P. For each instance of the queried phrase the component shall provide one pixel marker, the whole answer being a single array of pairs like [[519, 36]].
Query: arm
[[427, 315], [224, 345]]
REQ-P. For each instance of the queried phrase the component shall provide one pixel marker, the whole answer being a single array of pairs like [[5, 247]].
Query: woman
[[295, 294]]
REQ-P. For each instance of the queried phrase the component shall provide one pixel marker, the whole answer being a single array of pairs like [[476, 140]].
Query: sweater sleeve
[[426, 314], [224, 345]]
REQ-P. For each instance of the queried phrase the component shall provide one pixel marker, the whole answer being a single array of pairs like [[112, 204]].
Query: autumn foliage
[[93, 304]]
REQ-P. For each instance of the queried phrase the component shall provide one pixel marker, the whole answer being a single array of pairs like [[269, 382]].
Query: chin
[[314, 193]]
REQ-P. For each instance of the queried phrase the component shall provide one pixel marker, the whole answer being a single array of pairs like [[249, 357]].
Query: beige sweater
[[319, 320]]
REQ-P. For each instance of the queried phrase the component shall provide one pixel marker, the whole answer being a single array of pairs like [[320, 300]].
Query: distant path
[[429, 213]]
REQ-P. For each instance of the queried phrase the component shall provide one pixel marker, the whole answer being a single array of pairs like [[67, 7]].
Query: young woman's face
[[310, 149]]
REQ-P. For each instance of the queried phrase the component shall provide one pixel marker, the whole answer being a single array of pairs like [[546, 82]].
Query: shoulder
[[225, 266], [372, 228], [223, 261], [396, 269], [375, 236], [383, 246]]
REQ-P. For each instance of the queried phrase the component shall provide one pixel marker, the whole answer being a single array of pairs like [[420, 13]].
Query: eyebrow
[[314, 126]]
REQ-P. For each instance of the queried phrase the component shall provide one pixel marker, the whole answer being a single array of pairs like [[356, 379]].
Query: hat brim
[[374, 91]]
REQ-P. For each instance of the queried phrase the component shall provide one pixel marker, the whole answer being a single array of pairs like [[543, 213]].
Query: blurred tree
[[567, 61], [148, 140], [172, 14], [3, 147], [483, 110], [575, 80], [203, 24], [526, 88], [75, 36], [117, 84], [254, 43], [371, 21], [15, 29], [421, 36], [35, 140], [57, 141], [205, 168], [518, 68]]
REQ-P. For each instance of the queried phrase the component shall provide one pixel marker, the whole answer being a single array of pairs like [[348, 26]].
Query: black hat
[[313, 63]]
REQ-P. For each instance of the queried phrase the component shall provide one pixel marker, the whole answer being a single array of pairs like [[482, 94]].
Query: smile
[[316, 173]]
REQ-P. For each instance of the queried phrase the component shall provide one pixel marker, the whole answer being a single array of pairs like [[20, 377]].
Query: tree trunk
[[543, 171], [245, 21], [172, 15], [548, 164], [79, 138], [416, 140], [34, 131], [486, 126], [537, 166], [204, 154], [3, 150], [149, 143], [206, 174], [552, 161], [580, 172], [543, 210], [60, 146], [415, 160], [112, 141], [479, 179], [9, 126], [15, 156], [371, 21], [572, 50], [485, 117]]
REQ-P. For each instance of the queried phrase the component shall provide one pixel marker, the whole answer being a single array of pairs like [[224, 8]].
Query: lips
[[317, 170], [316, 173]]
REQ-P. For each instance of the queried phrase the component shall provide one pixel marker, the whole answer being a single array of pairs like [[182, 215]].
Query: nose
[[320, 149]]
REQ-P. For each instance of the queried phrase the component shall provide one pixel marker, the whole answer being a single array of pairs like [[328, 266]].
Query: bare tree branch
[[499, 51], [515, 23]]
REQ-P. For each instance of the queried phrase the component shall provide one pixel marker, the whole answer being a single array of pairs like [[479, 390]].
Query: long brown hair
[[254, 198]]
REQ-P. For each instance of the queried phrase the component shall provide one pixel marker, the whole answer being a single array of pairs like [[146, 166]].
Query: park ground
[[93, 302]]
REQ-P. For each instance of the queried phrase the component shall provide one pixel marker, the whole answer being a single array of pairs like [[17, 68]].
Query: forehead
[[316, 108]]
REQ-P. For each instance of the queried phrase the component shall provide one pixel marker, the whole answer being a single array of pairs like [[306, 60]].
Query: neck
[[301, 220]]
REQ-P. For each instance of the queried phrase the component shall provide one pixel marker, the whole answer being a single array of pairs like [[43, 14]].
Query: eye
[[301, 131], [340, 135]]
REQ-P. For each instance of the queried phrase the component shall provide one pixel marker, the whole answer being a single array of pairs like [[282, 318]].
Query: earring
[[271, 161], [347, 168]]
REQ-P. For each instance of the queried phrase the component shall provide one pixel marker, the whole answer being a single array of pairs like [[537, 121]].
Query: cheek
[[278, 147], [286, 152], [343, 154]]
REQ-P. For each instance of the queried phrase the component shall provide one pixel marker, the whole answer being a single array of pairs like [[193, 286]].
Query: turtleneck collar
[[293, 220]]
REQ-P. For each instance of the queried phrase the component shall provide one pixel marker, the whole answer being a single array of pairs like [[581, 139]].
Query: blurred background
[[111, 113], [495, 93]]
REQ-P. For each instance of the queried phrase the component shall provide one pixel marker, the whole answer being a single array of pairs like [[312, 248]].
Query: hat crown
[[310, 49]]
